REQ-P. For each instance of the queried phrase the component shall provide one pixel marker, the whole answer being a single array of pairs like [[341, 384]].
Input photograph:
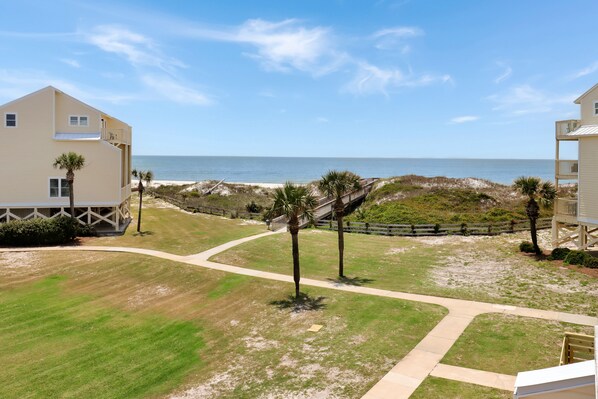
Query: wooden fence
[[232, 213], [435, 229]]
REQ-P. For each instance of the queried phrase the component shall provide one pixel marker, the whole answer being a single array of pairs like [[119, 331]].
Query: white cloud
[[137, 49], [14, 84], [371, 79], [282, 46], [464, 119], [71, 62], [321, 119], [175, 91], [392, 38], [586, 71], [524, 99], [506, 73]]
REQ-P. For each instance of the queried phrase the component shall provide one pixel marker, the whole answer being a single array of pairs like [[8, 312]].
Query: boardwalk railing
[[233, 213], [435, 229], [325, 205]]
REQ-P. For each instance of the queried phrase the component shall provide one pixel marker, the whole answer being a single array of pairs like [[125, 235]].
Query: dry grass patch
[[246, 340]]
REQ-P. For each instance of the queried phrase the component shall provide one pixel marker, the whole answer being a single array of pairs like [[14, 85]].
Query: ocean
[[302, 170]]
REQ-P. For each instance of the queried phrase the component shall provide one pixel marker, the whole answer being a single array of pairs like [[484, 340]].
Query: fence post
[[490, 229], [464, 228], [389, 231], [512, 226], [413, 229], [367, 228]]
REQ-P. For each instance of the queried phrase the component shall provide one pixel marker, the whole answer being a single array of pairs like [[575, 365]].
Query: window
[[78, 120], [10, 120], [59, 188], [595, 108]]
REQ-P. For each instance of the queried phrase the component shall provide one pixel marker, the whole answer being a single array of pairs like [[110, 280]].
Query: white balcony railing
[[567, 168], [116, 135], [566, 207], [564, 127]]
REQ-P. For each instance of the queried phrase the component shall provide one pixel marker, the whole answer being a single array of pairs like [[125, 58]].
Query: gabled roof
[[584, 130], [586, 93], [55, 90]]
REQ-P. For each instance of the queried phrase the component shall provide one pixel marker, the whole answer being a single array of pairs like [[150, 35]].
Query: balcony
[[566, 169], [566, 210], [567, 126], [125, 192], [116, 136]]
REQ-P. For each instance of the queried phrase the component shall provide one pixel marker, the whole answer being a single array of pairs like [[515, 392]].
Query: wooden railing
[[566, 206], [325, 205], [117, 135], [211, 210], [577, 348], [435, 229], [566, 126], [567, 168]]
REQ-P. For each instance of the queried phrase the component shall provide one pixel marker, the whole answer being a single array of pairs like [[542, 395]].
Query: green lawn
[[509, 344], [489, 269], [168, 229], [439, 388], [108, 325]]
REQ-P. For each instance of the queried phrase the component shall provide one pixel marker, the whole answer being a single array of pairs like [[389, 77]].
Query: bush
[[86, 230], [527, 247], [576, 258], [559, 254], [591, 262], [252, 207], [23, 233]]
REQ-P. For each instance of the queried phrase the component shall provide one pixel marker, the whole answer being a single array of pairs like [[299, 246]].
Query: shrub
[[591, 262], [576, 258], [559, 254], [252, 207], [23, 233], [86, 230], [527, 247]]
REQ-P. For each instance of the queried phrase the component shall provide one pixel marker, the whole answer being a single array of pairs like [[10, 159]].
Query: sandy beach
[[157, 183]]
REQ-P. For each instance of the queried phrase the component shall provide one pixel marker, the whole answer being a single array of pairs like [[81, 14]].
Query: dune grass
[[439, 388], [169, 229], [119, 325], [509, 344]]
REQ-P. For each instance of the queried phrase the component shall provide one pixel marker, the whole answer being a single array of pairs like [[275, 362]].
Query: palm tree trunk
[[72, 198], [296, 270], [341, 243], [140, 206], [533, 232]]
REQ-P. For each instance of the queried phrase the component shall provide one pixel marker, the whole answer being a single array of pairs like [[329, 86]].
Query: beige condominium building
[[40, 126], [576, 215]]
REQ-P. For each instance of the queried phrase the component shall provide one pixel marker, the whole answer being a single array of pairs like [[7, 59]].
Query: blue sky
[[386, 78]]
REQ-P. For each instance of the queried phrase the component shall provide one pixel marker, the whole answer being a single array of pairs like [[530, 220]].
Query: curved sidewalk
[[409, 373]]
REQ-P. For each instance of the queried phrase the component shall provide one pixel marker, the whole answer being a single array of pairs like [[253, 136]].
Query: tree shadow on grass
[[303, 303], [143, 233], [356, 281]]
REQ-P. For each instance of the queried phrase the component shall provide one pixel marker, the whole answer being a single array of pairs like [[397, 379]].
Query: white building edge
[[576, 219]]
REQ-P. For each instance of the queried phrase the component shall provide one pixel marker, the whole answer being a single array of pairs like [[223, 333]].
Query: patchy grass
[[509, 344], [489, 269], [113, 319], [53, 344], [167, 228], [439, 388]]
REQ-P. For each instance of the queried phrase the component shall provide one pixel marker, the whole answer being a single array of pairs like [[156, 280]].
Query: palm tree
[[71, 162], [144, 176], [296, 203], [337, 184], [537, 191]]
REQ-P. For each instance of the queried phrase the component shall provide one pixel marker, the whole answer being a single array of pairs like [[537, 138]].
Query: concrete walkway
[[478, 377], [413, 369]]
